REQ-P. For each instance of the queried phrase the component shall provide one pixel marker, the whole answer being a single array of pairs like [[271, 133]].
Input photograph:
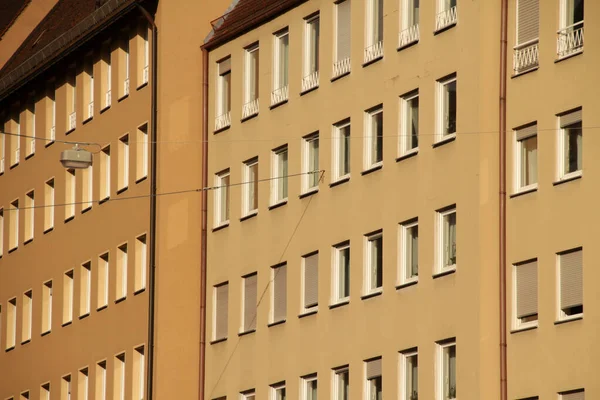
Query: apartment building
[[353, 149]]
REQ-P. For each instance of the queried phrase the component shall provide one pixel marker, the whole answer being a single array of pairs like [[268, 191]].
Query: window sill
[[407, 284], [339, 181], [444, 29], [578, 52], [444, 273], [216, 131], [372, 169], [251, 215], [524, 191], [25, 342], [122, 299], [28, 241], [28, 156], [49, 143], [104, 200], [142, 290], [568, 178], [218, 228], [71, 218], [218, 340], [446, 139], [277, 205], [122, 189], [308, 313], [49, 230], [66, 323], [45, 333], [274, 106], [521, 73], [276, 323], [312, 89], [12, 250], [524, 329], [373, 61], [10, 348], [84, 316], [70, 131], [15, 165], [104, 307], [120, 99], [409, 154], [249, 117], [340, 304], [309, 193], [335, 78], [407, 45], [246, 332], [106, 108], [577, 317], [143, 178], [371, 295], [88, 119], [86, 209], [142, 85]]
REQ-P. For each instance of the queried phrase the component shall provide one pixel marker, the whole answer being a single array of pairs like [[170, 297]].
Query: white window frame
[[85, 285], [563, 14], [223, 99], [560, 314], [307, 161], [70, 195], [141, 263], [14, 227], [275, 388], [370, 23], [439, 366], [407, 8], [278, 73], [68, 296], [403, 246], [26, 316], [305, 381], [248, 185], [251, 105], [11, 323], [274, 271], [336, 270], [440, 241], [248, 395], [371, 138], [336, 374], [1, 231], [440, 108], [29, 209], [105, 171], [338, 150], [222, 188], [403, 378], [310, 76], [405, 127], [368, 265], [277, 176], [47, 289], [102, 296], [303, 308], [123, 170], [122, 267], [562, 148], [518, 323], [518, 164]]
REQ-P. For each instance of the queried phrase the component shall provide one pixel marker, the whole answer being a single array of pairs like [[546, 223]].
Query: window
[[11, 323], [526, 52], [15, 140], [341, 63], [143, 54], [100, 381], [141, 167], [446, 240], [137, 390], [279, 184], [310, 66], [248, 395], [525, 295], [68, 297], [30, 132], [1, 231], [373, 137], [46, 307], [29, 216], [409, 252], [49, 205], [103, 280], [121, 272], [223, 107], [251, 81], [309, 387], [570, 279], [51, 112], [13, 237], [341, 383], [278, 391], [446, 119], [119, 377], [249, 306], [409, 375], [24, 395], [88, 88], [123, 177], [447, 14], [140, 263], [409, 22], [71, 99], [310, 163], [526, 156], [220, 311], [82, 384], [341, 150], [570, 139], [45, 391], [26, 317], [87, 185], [124, 64], [250, 189], [65, 388], [278, 293], [69, 194], [341, 272], [106, 74], [374, 382], [2, 151], [105, 173], [570, 34], [280, 69], [222, 198], [310, 282], [85, 288], [374, 30], [409, 123], [577, 394], [446, 370], [373, 262]]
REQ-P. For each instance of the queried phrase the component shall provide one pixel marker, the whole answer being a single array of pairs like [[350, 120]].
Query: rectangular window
[[69, 194], [309, 387], [446, 240], [11, 323], [279, 184], [2, 149], [222, 198], [65, 388], [251, 81], [119, 377], [85, 287], [310, 163], [447, 15], [1, 231], [15, 140], [29, 216], [71, 99], [88, 88], [141, 263], [373, 137], [374, 380], [278, 293], [87, 188], [121, 272], [49, 205], [51, 112], [525, 294], [46, 307], [341, 150], [310, 67], [570, 34], [277, 391], [374, 30], [100, 381], [310, 282], [250, 188], [103, 268], [341, 273], [44, 391], [409, 123], [446, 369], [526, 52], [13, 237], [143, 54], [137, 390], [343, 39], [570, 278], [409, 252], [124, 65], [409, 375], [577, 394], [570, 140], [30, 132], [341, 383], [280, 69], [409, 22], [223, 106], [373, 262], [248, 395], [141, 160], [26, 317], [123, 177], [82, 384], [106, 74], [68, 297], [220, 311], [446, 109], [249, 306], [526, 156], [105, 173]]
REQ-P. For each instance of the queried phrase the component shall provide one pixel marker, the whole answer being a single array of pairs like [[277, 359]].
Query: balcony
[[223, 121], [526, 56], [569, 40], [249, 109], [374, 52], [446, 19], [145, 75], [280, 95], [310, 81], [408, 36], [72, 120], [341, 67]]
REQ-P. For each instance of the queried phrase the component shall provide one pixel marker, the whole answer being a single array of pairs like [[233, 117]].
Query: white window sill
[[249, 215], [520, 327], [444, 271], [340, 180], [407, 282], [310, 310], [562, 320], [278, 204], [372, 293], [524, 190], [339, 303], [220, 226], [569, 177], [443, 139], [372, 168], [309, 192], [408, 154]]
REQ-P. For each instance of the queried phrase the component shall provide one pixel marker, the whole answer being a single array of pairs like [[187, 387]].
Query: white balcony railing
[[145, 75], [91, 109], [341, 67], [72, 120], [250, 108], [280, 95], [526, 56], [408, 36], [17, 155], [53, 133], [32, 146], [374, 52], [126, 87], [107, 99], [446, 18], [310, 81], [569, 40], [223, 121]]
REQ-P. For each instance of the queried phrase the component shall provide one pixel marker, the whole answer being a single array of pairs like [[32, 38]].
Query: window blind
[[526, 132], [225, 66], [527, 303], [343, 30], [311, 281], [571, 279], [528, 20], [222, 311], [571, 118], [374, 368], [575, 395], [279, 293], [250, 302]]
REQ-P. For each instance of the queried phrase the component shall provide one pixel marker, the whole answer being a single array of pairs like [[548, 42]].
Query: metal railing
[[280, 95], [569, 40], [107, 99], [250, 108], [341, 67], [526, 56], [53, 133], [126, 87], [223, 121], [310, 81], [374, 51], [72, 120], [408, 36], [91, 109], [145, 75], [446, 18]]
